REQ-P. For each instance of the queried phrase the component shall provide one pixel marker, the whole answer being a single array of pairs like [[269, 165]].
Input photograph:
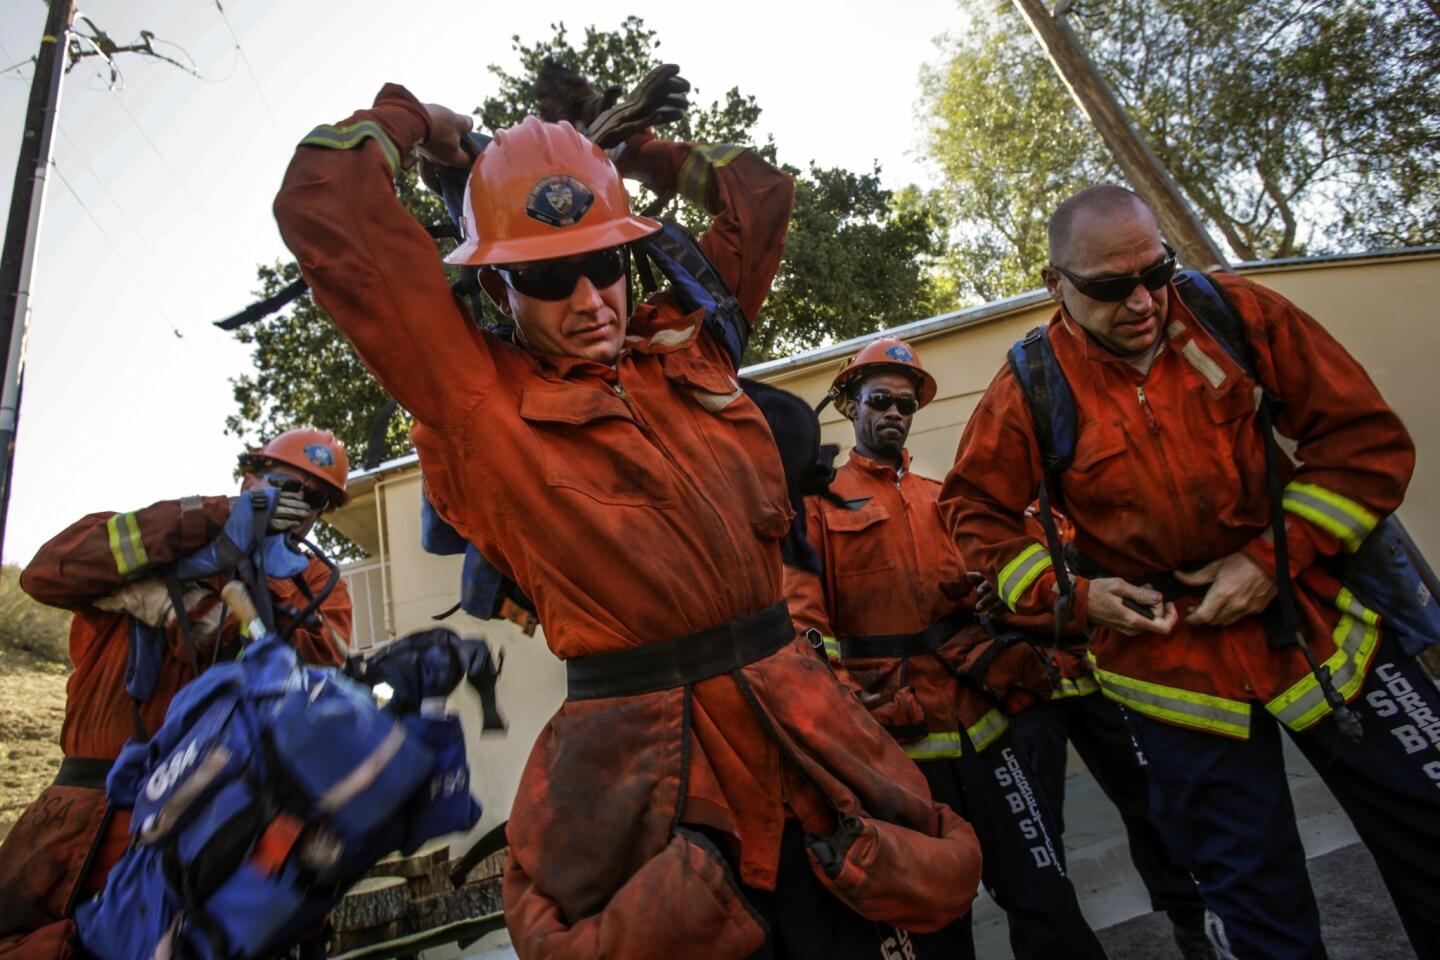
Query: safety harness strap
[[681, 660]]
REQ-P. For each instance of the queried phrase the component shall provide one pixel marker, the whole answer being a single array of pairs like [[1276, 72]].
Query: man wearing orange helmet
[[892, 605], [683, 801], [109, 568]]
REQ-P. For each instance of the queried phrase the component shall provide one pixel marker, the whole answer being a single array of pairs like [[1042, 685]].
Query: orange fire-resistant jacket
[[633, 503], [42, 858], [889, 566], [1169, 470]]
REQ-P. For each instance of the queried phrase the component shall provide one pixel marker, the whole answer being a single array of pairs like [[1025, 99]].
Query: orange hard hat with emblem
[[541, 191], [887, 353], [316, 453]]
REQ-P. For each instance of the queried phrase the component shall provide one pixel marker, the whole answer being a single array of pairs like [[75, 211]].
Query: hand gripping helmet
[[887, 353], [541, 191], [313, 452]]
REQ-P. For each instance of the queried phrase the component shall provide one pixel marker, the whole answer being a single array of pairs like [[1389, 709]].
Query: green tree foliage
[[855, 259], [1293, 126]]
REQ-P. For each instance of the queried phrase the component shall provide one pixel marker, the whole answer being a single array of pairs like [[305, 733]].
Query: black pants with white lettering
[[1226, 804], [1096, 725], [1024, 858]]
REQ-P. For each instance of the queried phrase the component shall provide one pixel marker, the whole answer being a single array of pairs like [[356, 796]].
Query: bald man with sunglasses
[[1174, 568]]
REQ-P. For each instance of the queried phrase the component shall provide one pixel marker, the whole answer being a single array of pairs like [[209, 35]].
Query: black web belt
[[680, 660], [904, 644], [88, 772]]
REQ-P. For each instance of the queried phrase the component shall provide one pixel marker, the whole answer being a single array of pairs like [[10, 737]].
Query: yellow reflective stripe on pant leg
[[1198, 711], [126, 546], [352, 135], [1342, 517], [984, 731], [1019, 573], [1356, 638], [935, 746]]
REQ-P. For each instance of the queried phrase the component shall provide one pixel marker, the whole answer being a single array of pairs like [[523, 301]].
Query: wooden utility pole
[[22, 231], [1147, 175]]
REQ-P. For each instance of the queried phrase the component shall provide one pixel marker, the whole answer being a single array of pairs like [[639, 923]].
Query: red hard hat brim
[[568, 243]]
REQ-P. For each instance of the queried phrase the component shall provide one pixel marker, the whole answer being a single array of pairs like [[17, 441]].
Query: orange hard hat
[[541, 191], [887, 353], [313, 452]]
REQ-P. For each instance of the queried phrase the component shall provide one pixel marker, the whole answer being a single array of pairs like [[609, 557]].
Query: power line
[[115, 247], [245, 61]]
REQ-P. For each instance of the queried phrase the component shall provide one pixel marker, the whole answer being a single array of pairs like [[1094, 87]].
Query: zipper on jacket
[[1150, 420]]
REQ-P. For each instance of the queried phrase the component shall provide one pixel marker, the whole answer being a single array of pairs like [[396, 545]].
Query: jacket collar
[[882, 470]]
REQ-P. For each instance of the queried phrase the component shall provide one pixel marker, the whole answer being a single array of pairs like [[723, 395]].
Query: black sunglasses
[[1115, 289], [882, 401], [556, 279], [314, 497]]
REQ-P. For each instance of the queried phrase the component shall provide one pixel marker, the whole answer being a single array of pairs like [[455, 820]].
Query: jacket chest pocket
[[859, 546], [1102, 474], [590, 443], [1228, 486]]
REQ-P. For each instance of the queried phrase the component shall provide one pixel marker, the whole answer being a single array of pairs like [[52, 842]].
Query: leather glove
[[148, 601], [658, 99], [563, 94], [291, 511]]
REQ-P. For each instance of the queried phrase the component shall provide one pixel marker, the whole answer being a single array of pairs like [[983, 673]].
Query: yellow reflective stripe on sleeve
[[1349, 522], [1078, 687], [831, 646], [1019, 573], [1198, 711], [936, 746], [694, 179], [353, 135], [984, 731], [1356, 638], [126, 545]]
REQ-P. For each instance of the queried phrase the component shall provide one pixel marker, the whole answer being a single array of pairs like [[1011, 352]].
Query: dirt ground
[[32, 705]]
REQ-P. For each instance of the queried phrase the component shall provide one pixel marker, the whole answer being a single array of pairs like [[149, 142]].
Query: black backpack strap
[[1211, 305]]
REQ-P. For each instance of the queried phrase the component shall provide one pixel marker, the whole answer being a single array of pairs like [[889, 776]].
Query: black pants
[[1226, 804], [1097, 727], [1024, 858], [807, 922]]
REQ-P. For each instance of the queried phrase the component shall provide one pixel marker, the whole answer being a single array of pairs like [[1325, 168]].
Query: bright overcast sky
[[177, 175]]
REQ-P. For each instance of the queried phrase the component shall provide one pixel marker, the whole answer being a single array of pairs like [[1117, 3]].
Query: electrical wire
[[115, 248], [250, 71]]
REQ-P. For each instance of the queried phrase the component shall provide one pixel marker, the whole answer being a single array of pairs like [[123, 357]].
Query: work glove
[[291, 510], [148, 601], [563, 94], [658, 99]]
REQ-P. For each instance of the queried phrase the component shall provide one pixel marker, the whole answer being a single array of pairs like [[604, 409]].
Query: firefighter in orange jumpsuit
[[707, 787], [895, 609], [107, 568], [1168, 490]]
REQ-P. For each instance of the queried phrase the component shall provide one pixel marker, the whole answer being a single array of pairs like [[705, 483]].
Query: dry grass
[[33, 669]]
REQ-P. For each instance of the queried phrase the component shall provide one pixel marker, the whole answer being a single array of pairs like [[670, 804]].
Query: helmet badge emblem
[[320, 455], [900, 353], [559, 200]]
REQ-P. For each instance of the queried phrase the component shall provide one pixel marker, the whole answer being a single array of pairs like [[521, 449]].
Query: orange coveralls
[[1169, 471], [44, 854], [633, 503], [889, 566]]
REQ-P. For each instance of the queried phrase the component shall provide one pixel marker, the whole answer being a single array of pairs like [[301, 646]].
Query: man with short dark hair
[[891, 604], [1175, 567]]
